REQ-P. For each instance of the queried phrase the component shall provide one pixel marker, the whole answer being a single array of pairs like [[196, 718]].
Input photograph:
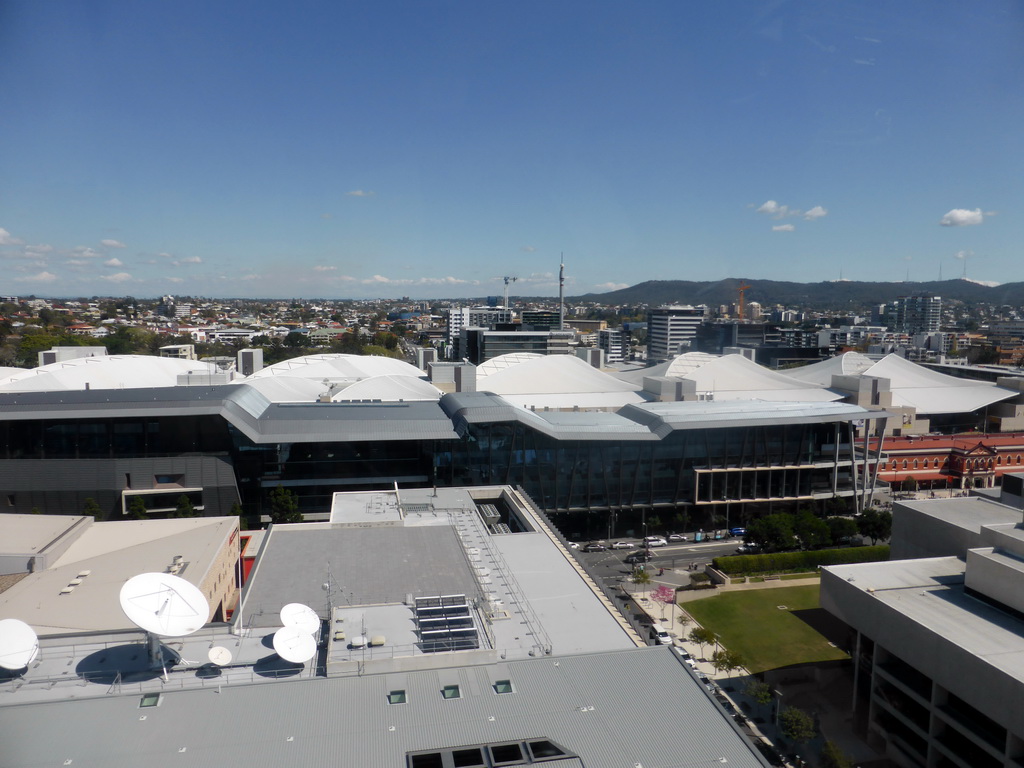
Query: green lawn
[[751, 624]]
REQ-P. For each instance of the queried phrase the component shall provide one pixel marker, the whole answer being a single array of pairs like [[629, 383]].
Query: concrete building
[[938, 642], [671, 329], [453, 628]]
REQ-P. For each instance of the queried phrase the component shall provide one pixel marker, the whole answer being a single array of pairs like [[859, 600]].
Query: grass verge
[[751, 624]]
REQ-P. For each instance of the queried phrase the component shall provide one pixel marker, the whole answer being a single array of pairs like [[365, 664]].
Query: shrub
[[795, 562]]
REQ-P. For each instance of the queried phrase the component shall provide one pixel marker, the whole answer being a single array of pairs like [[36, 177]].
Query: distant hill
[[833, 295]]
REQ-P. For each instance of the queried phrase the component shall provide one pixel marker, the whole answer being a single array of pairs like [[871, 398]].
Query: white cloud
[[113, 244], [77, 262], [378, 279], [115, 262], [117, 277], [42, 277], [815, 213], [6, 239], [324, 268], [85, 252], [611, 286], [772, 208], [361, 193], [963, 255], [164, 255], [529, 248], [41, 248], [961, 217], [251, 277], [783, 228], [192, 260], [175, 279]]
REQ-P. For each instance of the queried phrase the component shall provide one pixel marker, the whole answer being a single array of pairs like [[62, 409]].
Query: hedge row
[[783, 562]]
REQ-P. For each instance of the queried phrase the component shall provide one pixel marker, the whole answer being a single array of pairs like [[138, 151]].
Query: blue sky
[[342, 149]]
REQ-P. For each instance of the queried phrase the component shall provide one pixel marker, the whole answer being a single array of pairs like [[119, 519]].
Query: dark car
[[640, 556], [770, 753], [595, 546]]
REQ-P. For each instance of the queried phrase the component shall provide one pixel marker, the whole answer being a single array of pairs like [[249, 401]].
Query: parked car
[[655, 541], [640, 556], [738, 531], [677, 537], [595, 546], [623, 545]]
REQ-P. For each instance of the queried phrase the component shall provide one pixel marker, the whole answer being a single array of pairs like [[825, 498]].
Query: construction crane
[[742, 289], [508, 279]]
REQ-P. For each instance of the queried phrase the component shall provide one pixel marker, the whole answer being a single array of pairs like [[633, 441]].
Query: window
[[428, 760], [502, 686], [472, 757], [506, 753], [451, 692], [150, 700], [396, 697]]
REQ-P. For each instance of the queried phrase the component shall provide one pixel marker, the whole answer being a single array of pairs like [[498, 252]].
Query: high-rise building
[[671, 329], [918, 314], [475, 317], [615, 344]]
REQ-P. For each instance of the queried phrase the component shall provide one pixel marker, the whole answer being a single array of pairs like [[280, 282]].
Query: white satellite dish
[[294, 645], [301, 616], [164, 604], [19, 644], [219, 655]]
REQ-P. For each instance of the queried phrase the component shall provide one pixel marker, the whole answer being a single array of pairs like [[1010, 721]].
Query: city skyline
[[351, 151]]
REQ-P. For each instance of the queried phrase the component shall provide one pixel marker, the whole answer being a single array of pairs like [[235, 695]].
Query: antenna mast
[[561, 294]]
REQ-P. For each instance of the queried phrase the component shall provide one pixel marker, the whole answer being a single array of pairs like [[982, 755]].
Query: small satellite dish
[[301, 616], [19, 644], [294, 645], [219, 655], [164, 604]]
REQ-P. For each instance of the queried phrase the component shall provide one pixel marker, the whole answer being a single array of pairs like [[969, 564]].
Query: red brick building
[[950, 461]]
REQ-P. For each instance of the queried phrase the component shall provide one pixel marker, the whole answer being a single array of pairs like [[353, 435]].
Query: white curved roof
[[734, 377], [912, 385], [339, 367], [104, 372], [846, 364], [558, 381], [501, 362], [388, 389]]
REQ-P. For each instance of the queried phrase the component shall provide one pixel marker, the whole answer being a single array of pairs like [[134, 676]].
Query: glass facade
[[708, 472]]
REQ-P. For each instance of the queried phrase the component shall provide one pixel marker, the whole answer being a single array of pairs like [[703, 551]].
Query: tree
[[92, 509], [702, 637], [726, 661], [812, 531], [796, 725], [683, 618], [909, 484], [641, 577], [665, 595], [758, 690], [875, 524], [185, 507], [772, 532], [841, 529], [833, 757], [137, 509], [284, 507]]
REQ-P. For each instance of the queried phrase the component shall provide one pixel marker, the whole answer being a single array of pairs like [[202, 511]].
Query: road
[[676, 559]]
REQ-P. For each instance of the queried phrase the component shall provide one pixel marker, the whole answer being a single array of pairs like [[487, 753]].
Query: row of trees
[[783, 530]]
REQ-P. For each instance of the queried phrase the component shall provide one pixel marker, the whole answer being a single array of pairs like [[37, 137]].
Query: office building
[[475, 317], [670, 330]]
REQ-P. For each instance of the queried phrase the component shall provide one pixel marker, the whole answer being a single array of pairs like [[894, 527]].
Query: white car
[[677, 537], [655, 541], [623, 545]]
